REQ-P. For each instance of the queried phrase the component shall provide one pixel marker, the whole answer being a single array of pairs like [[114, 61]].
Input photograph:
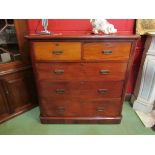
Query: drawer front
[[107, 51], [83, 89], [77, 108], [81, 71], [57, 50]]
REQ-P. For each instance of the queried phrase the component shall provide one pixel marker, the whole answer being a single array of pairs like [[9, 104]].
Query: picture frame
[[144, 26]]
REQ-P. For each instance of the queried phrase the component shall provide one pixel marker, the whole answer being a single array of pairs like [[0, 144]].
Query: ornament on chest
[[102, 26]]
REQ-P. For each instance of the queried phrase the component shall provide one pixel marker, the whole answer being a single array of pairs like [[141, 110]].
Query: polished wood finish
[[81, 71], [17, 87], [88, 90], [79, 37], [106, 51], [81, 108], [57, 51], [3, 103], [80, 120], [82, 89], [18, 93], [21, 31]]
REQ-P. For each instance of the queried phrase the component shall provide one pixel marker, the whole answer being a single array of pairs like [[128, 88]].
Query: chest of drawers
[[81, 79]]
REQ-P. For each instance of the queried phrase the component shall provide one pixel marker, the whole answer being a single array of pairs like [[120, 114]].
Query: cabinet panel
[[3, 104], [20, 90]]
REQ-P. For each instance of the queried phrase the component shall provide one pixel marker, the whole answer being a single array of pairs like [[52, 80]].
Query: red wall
[[79, 25], [83, 26]]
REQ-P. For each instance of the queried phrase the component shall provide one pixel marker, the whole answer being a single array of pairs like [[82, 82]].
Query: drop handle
[[57, 52], [102, 91], [106, 52], [104, 72], [58, 71], [99, 109], [60, 91]]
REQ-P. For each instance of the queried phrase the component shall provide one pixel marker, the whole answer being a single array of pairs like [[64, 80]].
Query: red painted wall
[[79, 25], [83, 26]]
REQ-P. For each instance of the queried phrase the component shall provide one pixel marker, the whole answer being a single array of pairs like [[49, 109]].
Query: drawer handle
[[104, 72], [60, 109], [60, 91], [57, 52], [58, 71], [102, 91], [99, 109], [107, 52]]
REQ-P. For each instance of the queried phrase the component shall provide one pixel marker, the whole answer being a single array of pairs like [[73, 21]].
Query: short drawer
[[82, 89], [106, 51], [81, 71], [57, 50], [84, 108]]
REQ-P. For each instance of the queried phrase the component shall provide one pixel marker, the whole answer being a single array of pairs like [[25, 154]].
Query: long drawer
[[81, 71], [75, 107], [57, 50], [106, 51], [82, 89]]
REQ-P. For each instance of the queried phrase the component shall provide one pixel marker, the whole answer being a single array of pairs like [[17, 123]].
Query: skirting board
[[147, 119]]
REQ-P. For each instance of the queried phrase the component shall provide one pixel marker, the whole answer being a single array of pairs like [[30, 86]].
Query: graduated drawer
[[82, 89], [57, 50], [81, 71], [106, 51], [77, 107]]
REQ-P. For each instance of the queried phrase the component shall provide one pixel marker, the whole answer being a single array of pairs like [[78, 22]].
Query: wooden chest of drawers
[[81, 79]]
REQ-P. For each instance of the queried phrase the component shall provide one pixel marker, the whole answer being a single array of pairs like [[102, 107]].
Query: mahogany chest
[[81, 79]]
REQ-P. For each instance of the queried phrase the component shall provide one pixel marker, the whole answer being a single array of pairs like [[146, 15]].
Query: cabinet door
[[3, 104], [20, 90]]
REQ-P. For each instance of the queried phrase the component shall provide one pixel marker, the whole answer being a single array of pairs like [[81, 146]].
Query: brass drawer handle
[[58, 71], [60, 91], [60, 109], [102, 91], [57, 52], [107, 52], [104, 72], [99, 109]]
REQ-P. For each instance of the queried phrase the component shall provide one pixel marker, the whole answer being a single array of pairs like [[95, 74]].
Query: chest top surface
[[82, 37]]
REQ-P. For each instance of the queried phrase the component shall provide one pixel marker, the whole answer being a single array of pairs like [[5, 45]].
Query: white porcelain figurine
[[102, 25]]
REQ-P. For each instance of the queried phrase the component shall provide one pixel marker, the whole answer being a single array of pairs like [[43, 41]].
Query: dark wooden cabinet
[[17, 93], [81, 79], [17, 86], [3, 102]]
